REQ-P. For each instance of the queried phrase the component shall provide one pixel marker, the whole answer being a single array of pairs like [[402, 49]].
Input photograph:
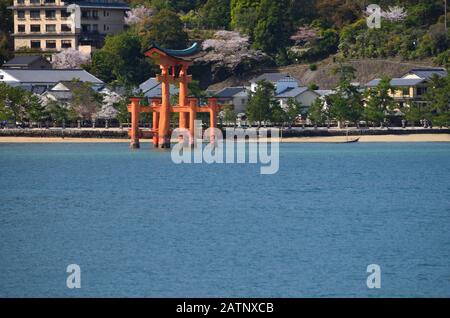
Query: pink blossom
[[70, 59], [137, 14], [228, 49], [395, 14]]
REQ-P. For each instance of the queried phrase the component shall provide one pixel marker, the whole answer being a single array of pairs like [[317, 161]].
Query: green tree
[[277, 114], [36, 111], [274, 26], [216, 14], [438, 95], [244, 15], [316, 112], [229, 115], [346, 103], [379, 102], [293, 109], [260, 102], [166, 30], [6, 26], [57, 112], [13, 102], [85, 102], [121, 60]]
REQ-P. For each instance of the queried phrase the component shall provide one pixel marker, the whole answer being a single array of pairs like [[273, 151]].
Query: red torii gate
[[174, 65]]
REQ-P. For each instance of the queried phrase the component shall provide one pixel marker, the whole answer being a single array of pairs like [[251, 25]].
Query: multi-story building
[[52, 25]]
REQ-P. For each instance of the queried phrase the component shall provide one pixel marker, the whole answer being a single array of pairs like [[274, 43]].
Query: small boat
[[352, 141]]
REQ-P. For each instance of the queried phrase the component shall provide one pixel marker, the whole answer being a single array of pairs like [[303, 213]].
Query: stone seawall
[[361, 132], [74, 133], [123, 133]]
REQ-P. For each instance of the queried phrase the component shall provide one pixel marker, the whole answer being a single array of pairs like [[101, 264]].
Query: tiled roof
[[272, 77], [22, 60], [51, 76], [152, 88], [229, 92], [99, 4], [427, 73], [292, 92], [396, 82]]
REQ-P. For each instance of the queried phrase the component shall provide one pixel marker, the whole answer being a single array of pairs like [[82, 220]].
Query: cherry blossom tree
[[304, 34], [228, 49], [395, 14], [70, 59], [138, 15]]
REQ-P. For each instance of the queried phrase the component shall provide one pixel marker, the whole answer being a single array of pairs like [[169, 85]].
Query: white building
[[39, 81], [235, 96], [281, 81], [301, 94]]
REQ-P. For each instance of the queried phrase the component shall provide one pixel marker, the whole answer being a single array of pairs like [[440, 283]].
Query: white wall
[[6, 78], [307, 98]]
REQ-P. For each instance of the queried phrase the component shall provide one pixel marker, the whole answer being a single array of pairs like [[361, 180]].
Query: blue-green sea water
[[139, 225]]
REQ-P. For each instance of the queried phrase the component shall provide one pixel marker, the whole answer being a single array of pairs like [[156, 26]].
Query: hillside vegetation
[[242, 37], [324, 77]]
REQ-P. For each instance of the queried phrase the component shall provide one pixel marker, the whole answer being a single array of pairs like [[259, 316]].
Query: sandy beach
[[336, 139]]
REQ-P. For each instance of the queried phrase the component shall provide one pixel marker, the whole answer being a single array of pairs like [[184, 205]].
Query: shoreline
[[330, 139]]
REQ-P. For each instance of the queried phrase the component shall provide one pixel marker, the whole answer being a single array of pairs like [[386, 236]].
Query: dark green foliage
[[274, 26], [166, 30], [215, 14], [260, 103], [122, 60], [379, 102]]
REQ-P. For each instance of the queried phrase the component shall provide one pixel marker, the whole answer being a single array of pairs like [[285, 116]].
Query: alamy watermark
[[375, 14], [74, 278], [374, 279], [252, 146]]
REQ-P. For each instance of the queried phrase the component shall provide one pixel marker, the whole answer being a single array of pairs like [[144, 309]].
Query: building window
[[21, 15], [50, 1], [95, 14], [65, 14], [35, 28], [51, 28], [421, 91], [35, 1], [85, 14], [405, 91], [66, 44], [35, 14], [50, 44], [35, 44], [50, 14], [20, 2], [21, 28], [66, 28], [95, 27], [86, 28]]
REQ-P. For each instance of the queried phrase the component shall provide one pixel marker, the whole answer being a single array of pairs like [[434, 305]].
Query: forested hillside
[[242, 36]]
